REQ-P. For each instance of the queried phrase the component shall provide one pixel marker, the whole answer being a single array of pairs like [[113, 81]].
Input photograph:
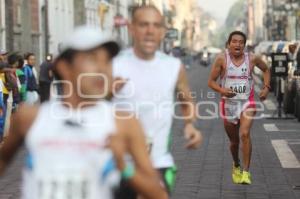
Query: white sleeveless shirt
[[238, 78], [149, 93], [67, 156]]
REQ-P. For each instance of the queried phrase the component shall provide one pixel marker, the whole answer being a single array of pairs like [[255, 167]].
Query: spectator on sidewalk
[[22, 78], [3, 68], [4, 91], [12, 82], [3, 55], [292, 51], [2, 111], [45, 78], [16, 62], [30, 79]]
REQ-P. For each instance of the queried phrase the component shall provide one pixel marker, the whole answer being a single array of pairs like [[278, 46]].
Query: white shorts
[[232, 109]]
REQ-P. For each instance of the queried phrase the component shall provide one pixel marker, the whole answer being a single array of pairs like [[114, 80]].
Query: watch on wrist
[[267, 86]]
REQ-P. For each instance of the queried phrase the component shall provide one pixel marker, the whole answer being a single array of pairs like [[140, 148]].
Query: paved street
[[206, 173], [10, 183]]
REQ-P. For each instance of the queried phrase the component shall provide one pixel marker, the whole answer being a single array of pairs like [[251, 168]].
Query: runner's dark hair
[[237, 32], [20, 61], [67, 56], [12, 59], [27, 55]]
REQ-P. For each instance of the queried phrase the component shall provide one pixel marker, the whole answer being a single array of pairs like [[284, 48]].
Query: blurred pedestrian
[[13, 78], [22, 78], [15, 85], [292, 52], [45, 78], [3, 55], [3, 92], [11, 94], [297, 59], [2, 111], [4, 68], [31, 79]]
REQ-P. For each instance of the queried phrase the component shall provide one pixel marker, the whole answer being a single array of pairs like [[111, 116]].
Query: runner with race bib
[[234, 68], [76, 143]]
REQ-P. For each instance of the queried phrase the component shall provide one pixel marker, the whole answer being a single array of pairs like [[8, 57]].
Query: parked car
[[205, 58], [297, 99], [297, 95], [263, 48], [290, 82], [178, 52], [207, 54]]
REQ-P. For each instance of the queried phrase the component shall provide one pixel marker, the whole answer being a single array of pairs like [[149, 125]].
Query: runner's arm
[[145, 179], [215, 74], [189, 111], [188, 106], [20, 122], [265, 69]]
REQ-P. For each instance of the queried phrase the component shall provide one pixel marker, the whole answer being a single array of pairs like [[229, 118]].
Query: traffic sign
[[279, 64]]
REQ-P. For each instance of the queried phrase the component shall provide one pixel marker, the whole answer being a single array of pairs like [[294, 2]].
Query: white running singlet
[[149, 93], [66, 153], [239, 79]]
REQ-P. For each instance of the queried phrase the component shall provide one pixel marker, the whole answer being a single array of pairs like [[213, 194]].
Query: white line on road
[[271, 127], [263, 115], [274, 128], [289, 130], [285, 154], [270, 105], [294, 143]]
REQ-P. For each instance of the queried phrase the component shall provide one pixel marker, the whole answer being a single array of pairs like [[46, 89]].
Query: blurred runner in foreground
[[71, 142], [152, 79]]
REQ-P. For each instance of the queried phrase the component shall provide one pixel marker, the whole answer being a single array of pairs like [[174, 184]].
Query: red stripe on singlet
[[237, 77]]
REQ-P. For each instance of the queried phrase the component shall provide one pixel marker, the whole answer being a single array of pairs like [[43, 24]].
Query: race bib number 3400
[[238, 88], [241, 88]]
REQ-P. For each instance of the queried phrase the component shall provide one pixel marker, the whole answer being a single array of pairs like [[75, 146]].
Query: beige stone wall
[[259, 13], [184, 21]]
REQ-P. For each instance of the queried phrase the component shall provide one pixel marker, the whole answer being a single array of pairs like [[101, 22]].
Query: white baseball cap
[[85, 38], [3, 52]]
